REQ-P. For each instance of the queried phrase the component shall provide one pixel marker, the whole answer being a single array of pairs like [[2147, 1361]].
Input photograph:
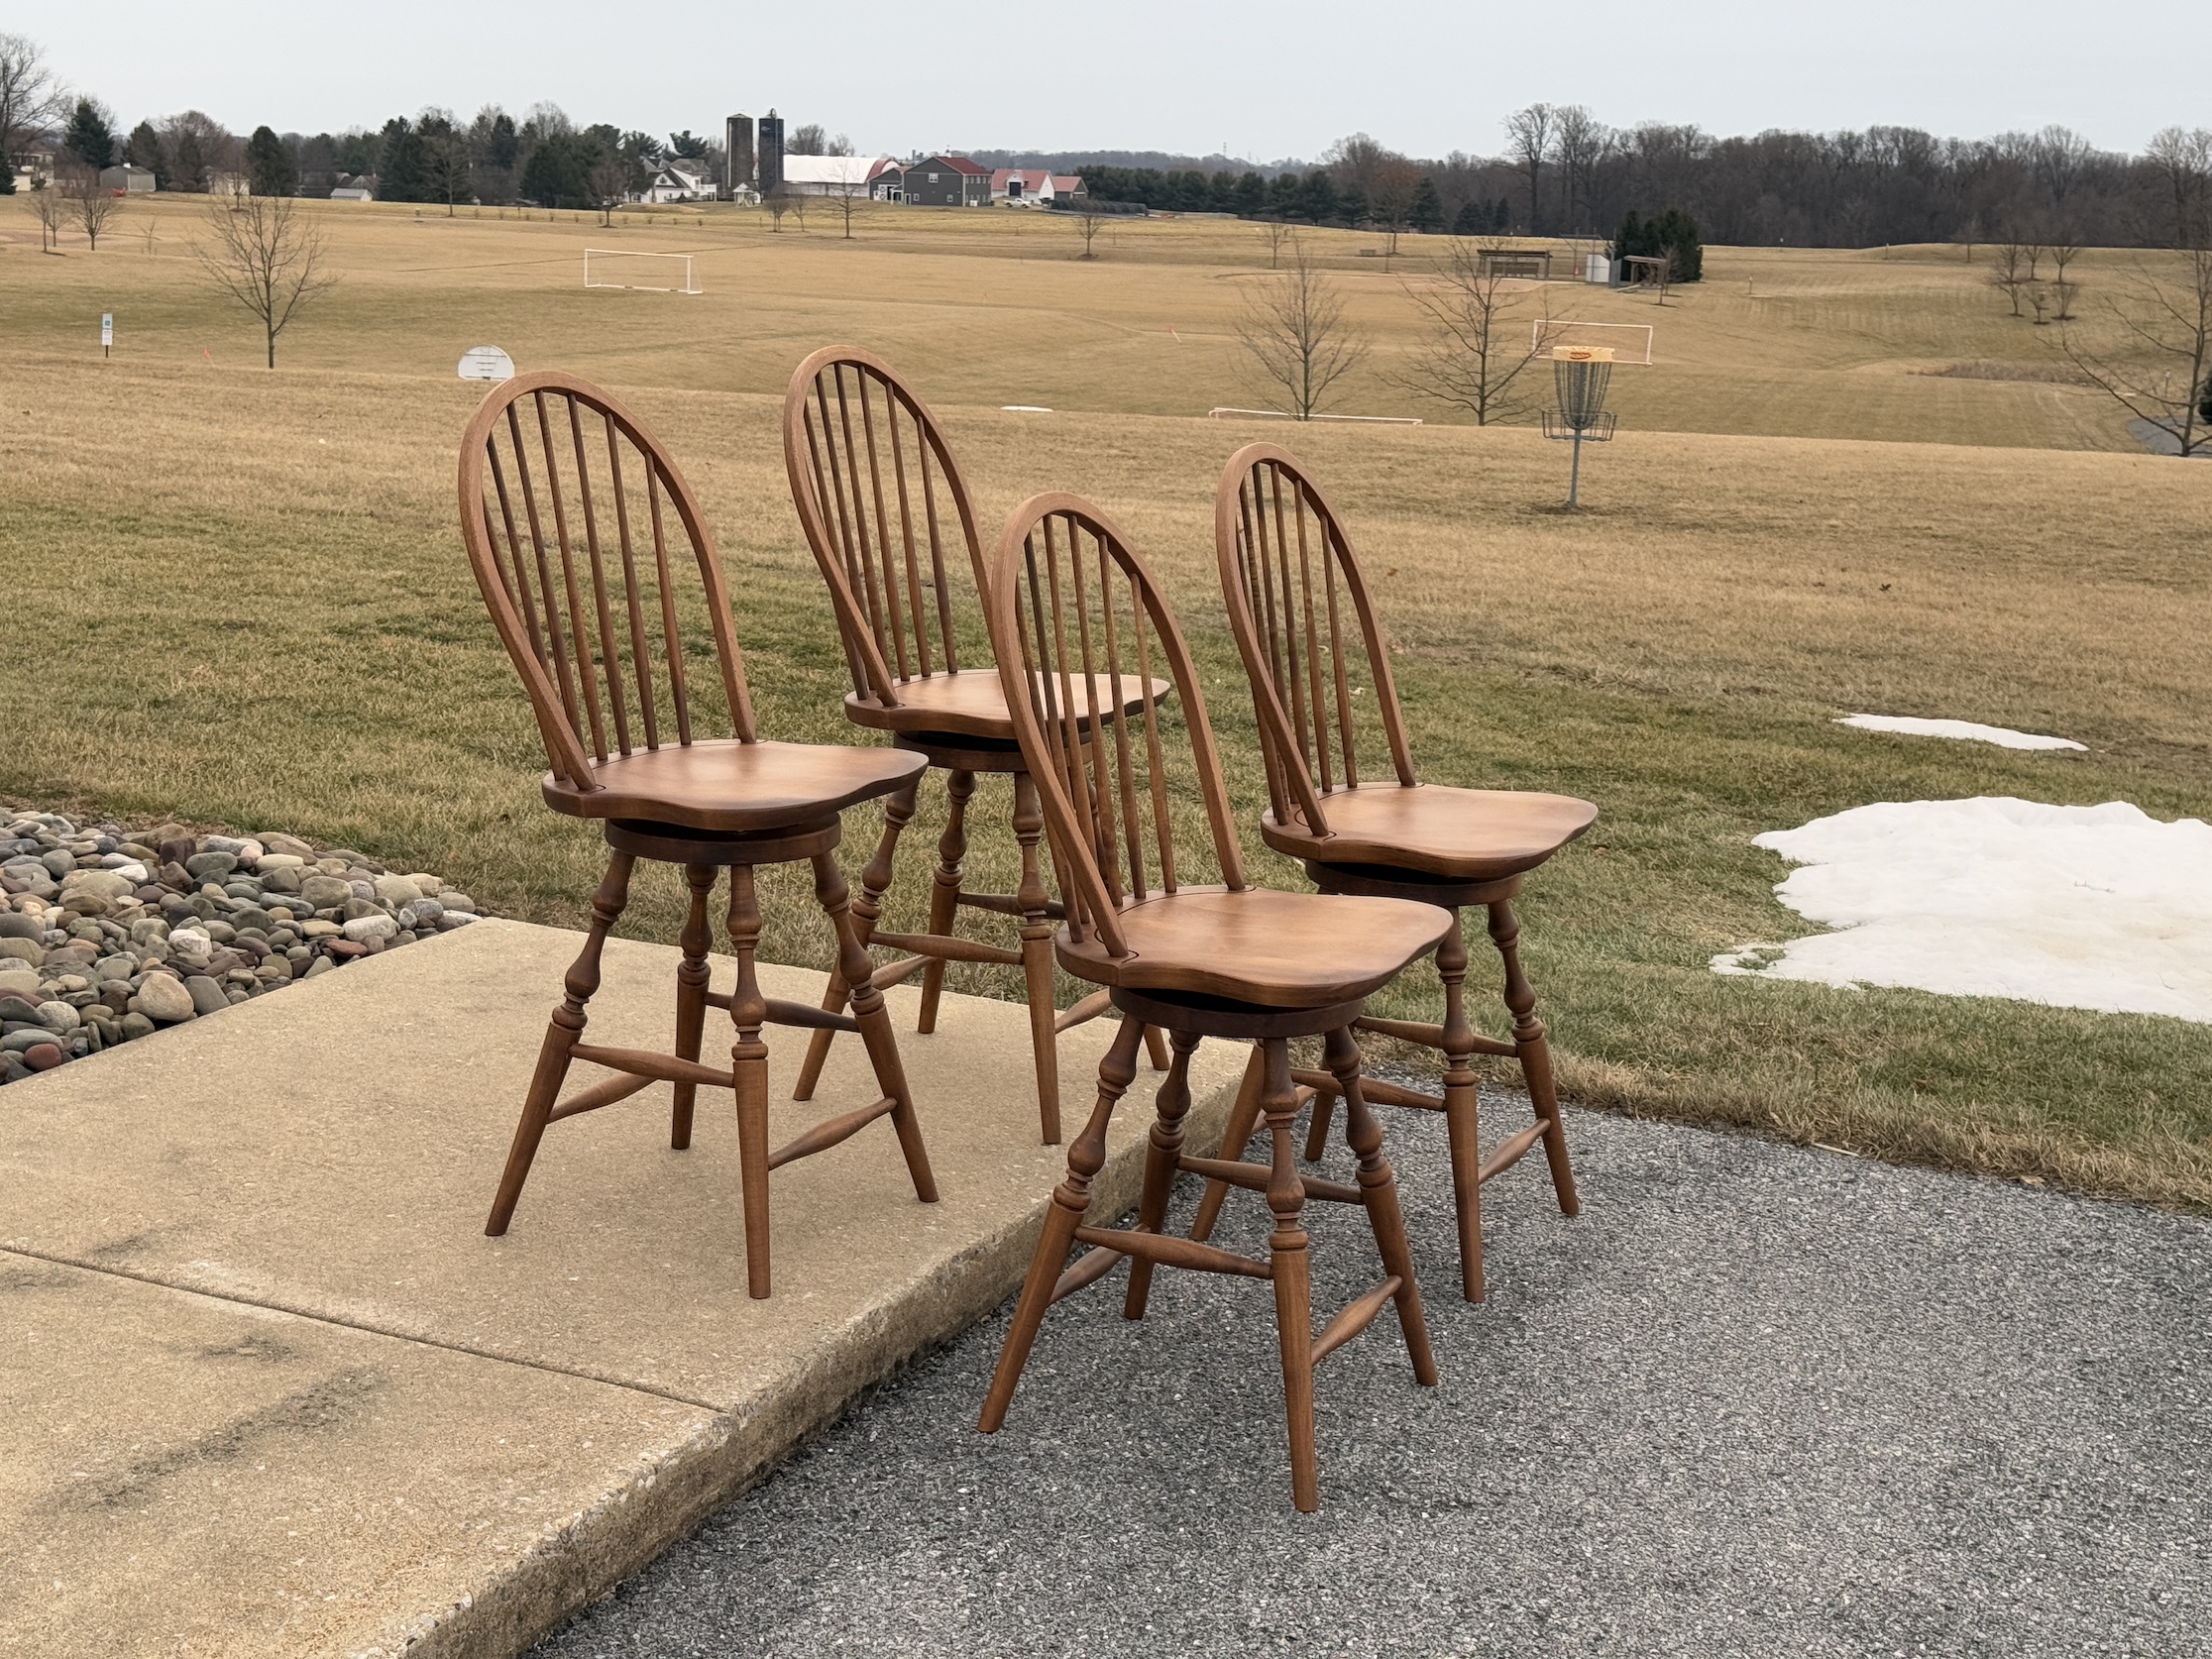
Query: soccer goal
[[1628, 342], [610, 268]]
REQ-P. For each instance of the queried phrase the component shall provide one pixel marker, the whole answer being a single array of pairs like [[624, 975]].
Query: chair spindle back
[[886, 512], [1306, 630], [585, 540], [1079, 624]]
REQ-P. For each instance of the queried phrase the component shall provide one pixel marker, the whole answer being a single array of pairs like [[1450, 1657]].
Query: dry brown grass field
[[239, 598]]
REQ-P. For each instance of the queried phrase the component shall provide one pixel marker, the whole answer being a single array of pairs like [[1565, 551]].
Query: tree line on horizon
[[1563, 172], [1560, 171]]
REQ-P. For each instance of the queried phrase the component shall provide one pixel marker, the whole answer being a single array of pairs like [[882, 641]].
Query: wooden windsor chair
[[602, 629], [1303, 621], [887, 513], [1073, 609]]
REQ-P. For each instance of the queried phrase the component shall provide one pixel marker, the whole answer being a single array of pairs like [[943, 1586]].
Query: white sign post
[[107, 333], [487, 363]]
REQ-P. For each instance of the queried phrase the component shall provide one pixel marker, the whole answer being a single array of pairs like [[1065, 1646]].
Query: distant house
[[826, 175], [230, 184], [127, 180], [682, 180], [941, 182], [32, 169], [1034, 187], [354, 187]]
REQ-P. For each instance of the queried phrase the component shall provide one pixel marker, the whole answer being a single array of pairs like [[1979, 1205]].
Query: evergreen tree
[[1677, 234], [188, 163], [558, 173], [89, 138], [1251, 195], [1318, 198], [144, 149], [268, 165], [1428, 211], [1351, 206], [399, 165], [1283, 195], [1473, 218]]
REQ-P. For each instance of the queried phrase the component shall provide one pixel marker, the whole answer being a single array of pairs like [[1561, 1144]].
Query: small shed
[[127, 180]]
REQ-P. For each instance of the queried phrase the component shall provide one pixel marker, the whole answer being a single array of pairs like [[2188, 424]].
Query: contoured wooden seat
[[591, 590], [1221, 958], [1315, 658], [887, 514]]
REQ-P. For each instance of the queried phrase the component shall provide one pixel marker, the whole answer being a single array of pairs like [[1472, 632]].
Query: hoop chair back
[[1305, 626], [1074, 617], [887, 514], [600, 573]]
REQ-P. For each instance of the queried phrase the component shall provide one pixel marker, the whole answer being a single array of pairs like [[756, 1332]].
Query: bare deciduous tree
[[2181, 163], [777, 204], [266, 256], [1532, 134], [30, 95], [608, 180], [88, 202], [2008, 262], [1477, 347], [1294, 329], [1278, 233], [1090, 219], [1583, 144], [48, 207], [2063, 243], [1390, 200], [846, 194], [2164, 373]]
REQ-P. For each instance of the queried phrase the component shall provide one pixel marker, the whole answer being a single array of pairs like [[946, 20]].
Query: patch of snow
[[2076, 907], [2003, 736]]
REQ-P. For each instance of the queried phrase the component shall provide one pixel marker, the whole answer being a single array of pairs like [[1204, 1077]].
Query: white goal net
[[1628, 342], [609, 267]]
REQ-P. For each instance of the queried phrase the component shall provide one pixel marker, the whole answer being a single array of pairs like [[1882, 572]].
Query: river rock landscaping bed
[[109, 934]]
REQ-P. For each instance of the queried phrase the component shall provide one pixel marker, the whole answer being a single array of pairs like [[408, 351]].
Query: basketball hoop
[[1580, 375]]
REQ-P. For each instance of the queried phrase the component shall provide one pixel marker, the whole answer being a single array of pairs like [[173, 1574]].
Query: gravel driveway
[[1757, 1400]]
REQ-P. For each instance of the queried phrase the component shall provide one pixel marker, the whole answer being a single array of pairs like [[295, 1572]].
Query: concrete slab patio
[[269, 1390]]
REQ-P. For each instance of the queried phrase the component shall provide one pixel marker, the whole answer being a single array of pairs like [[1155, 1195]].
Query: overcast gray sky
[[1264, 82]]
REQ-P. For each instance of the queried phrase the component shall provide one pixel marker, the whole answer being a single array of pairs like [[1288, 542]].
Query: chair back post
[[1283, 555], [868, 463], [539, 549], [1071, 607]]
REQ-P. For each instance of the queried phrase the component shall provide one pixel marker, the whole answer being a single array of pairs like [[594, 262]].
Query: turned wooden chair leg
[[690, 996], [1038, 929], [1363, 1133], [1293, 1271], [748, 1065], [1534, 1053], [1462, 1112], [1065, 1213], [1244, 1115], [1166, 1146], [874, 1021], [875, 881], [945, 892], [1317, 1129], [562, 1033]]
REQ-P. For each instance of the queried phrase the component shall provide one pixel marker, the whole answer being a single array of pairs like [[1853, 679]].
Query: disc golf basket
[[1580, 375]]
